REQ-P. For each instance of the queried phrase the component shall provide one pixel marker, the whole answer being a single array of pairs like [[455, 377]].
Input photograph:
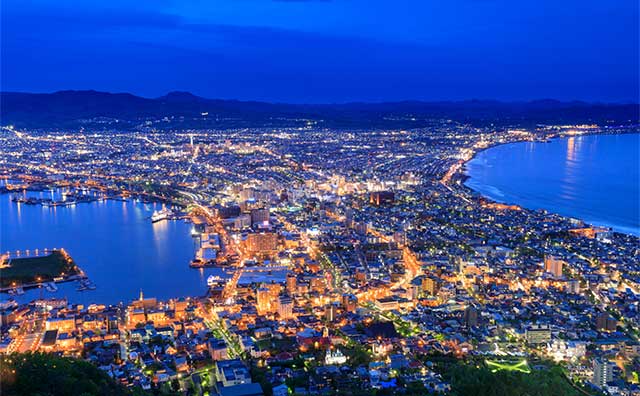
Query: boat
[[51, 287], [163, 214], [86, 284], [10, 303]]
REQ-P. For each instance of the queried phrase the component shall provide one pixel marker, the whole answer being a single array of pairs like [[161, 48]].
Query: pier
[[33, 268]]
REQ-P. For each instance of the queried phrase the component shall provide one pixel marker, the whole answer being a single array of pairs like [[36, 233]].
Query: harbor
[[99, 235]]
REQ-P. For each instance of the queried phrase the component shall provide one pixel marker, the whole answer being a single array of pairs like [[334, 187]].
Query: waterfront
[[114, 242], [593, 177]]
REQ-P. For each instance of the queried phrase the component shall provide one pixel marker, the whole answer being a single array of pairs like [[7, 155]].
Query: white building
[[335, 357], [602, 372]]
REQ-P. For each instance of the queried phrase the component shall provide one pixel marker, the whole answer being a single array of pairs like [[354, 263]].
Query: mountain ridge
[[91, 108]]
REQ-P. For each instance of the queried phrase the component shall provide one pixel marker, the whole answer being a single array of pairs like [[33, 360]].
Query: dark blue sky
[[326, 51]]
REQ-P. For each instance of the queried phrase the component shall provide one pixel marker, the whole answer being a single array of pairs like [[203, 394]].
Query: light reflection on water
[[114, 242], [593, 177]]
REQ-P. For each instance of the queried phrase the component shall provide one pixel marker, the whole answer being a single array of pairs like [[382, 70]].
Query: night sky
[[326, 51]]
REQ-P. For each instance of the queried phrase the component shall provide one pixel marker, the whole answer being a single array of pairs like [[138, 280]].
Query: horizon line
[[425, 101]]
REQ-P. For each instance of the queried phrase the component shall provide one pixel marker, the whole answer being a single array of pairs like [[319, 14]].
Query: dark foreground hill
[[41, 374], [180, 110]]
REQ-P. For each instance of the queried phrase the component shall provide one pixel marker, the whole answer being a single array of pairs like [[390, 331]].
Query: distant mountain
[[175, 110]]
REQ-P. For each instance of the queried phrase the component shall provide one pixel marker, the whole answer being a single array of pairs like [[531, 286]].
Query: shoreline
[[108, 282], [463, 176]]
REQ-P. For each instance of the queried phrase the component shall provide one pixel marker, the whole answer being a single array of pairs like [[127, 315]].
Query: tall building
[[264, 242], [381, 198], [553, 266], [285, 307], [259, 216], [263, 298], [330, 312], [471, 316], [431, 285], [605, 322], [292, 284], [602, 372]]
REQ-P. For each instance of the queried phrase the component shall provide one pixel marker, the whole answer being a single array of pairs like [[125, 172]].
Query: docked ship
[[160, 215]]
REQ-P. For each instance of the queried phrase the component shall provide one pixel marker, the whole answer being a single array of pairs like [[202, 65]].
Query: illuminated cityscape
[[326, 239], [319, 197]]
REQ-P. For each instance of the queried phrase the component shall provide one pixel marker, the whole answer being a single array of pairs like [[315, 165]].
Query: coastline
[[100, 244], [463, 177]]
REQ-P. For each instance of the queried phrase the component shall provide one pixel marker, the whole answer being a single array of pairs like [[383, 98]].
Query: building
[[602, 372], [605, 322], [263, 298], [317, 284], [232, 372], [334, 357], [228, 211], [291, 284], [387, 304], [285, 307], [259, 216], [262, 243], [431, 285], [573, 286], [553, 266], [538, 334], [242, 221], [349, 302], [378, 198], [217, 348], [471, 316], [330, 312], [61, 323], [567, 350]]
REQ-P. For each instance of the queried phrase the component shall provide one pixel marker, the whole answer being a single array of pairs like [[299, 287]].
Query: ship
[[159, 215]]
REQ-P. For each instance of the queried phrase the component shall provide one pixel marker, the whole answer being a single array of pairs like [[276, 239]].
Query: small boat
[[86, 284]]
